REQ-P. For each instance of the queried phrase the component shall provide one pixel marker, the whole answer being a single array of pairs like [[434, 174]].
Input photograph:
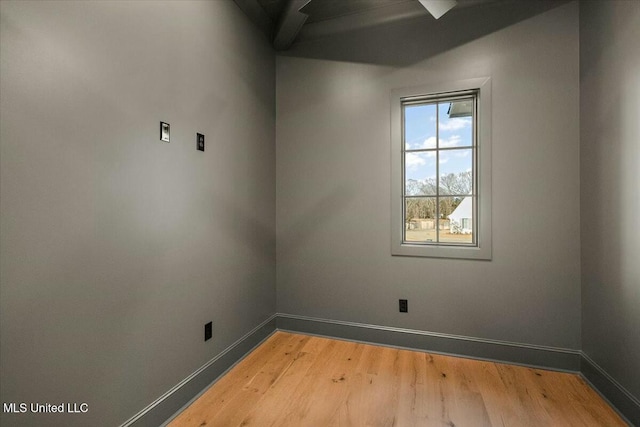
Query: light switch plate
[[164, 132], [200, 142], [208, 331]]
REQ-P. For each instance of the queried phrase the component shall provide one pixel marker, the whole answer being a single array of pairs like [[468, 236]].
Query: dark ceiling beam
[[257, 15], [368, 18], [289, 25]]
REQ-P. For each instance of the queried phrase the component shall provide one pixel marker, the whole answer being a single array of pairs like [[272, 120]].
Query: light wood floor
[[299, 380]]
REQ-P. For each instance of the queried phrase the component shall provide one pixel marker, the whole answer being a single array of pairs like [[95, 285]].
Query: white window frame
[[482, 249]]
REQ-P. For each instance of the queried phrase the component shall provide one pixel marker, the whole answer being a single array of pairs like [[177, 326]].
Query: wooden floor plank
[[502, 405], [298, 380], [318, 396], [234, 395]]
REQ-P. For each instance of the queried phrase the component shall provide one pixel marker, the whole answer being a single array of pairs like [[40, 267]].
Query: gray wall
[[333, 182], [610, 184], [117, 247]]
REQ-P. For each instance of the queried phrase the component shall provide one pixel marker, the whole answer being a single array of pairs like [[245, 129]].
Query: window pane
[[420, 219], [456, 215], [456, 124], [456, 171], [438, 138], [420, 126], [420, 173]]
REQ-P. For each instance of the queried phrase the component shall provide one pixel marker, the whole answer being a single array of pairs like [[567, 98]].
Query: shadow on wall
[[610, 175], [408, 41], [598, 44], [312, 220]]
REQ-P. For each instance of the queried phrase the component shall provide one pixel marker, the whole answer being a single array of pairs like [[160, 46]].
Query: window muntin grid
[[441, 208]]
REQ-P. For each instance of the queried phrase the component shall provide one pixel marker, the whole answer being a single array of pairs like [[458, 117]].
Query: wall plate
[[164, 132], [200, 142], [208, 331]]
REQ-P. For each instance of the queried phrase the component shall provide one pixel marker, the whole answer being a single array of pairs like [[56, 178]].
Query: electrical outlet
[[208, 331], [404, 306]]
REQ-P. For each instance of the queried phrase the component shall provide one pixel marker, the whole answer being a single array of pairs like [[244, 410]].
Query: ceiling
[[284, 20]]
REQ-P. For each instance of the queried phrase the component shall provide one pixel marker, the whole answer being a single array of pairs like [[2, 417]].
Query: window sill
[[442, 251]]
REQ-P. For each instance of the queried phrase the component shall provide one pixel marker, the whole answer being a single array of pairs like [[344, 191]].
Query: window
[[441, 180]]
